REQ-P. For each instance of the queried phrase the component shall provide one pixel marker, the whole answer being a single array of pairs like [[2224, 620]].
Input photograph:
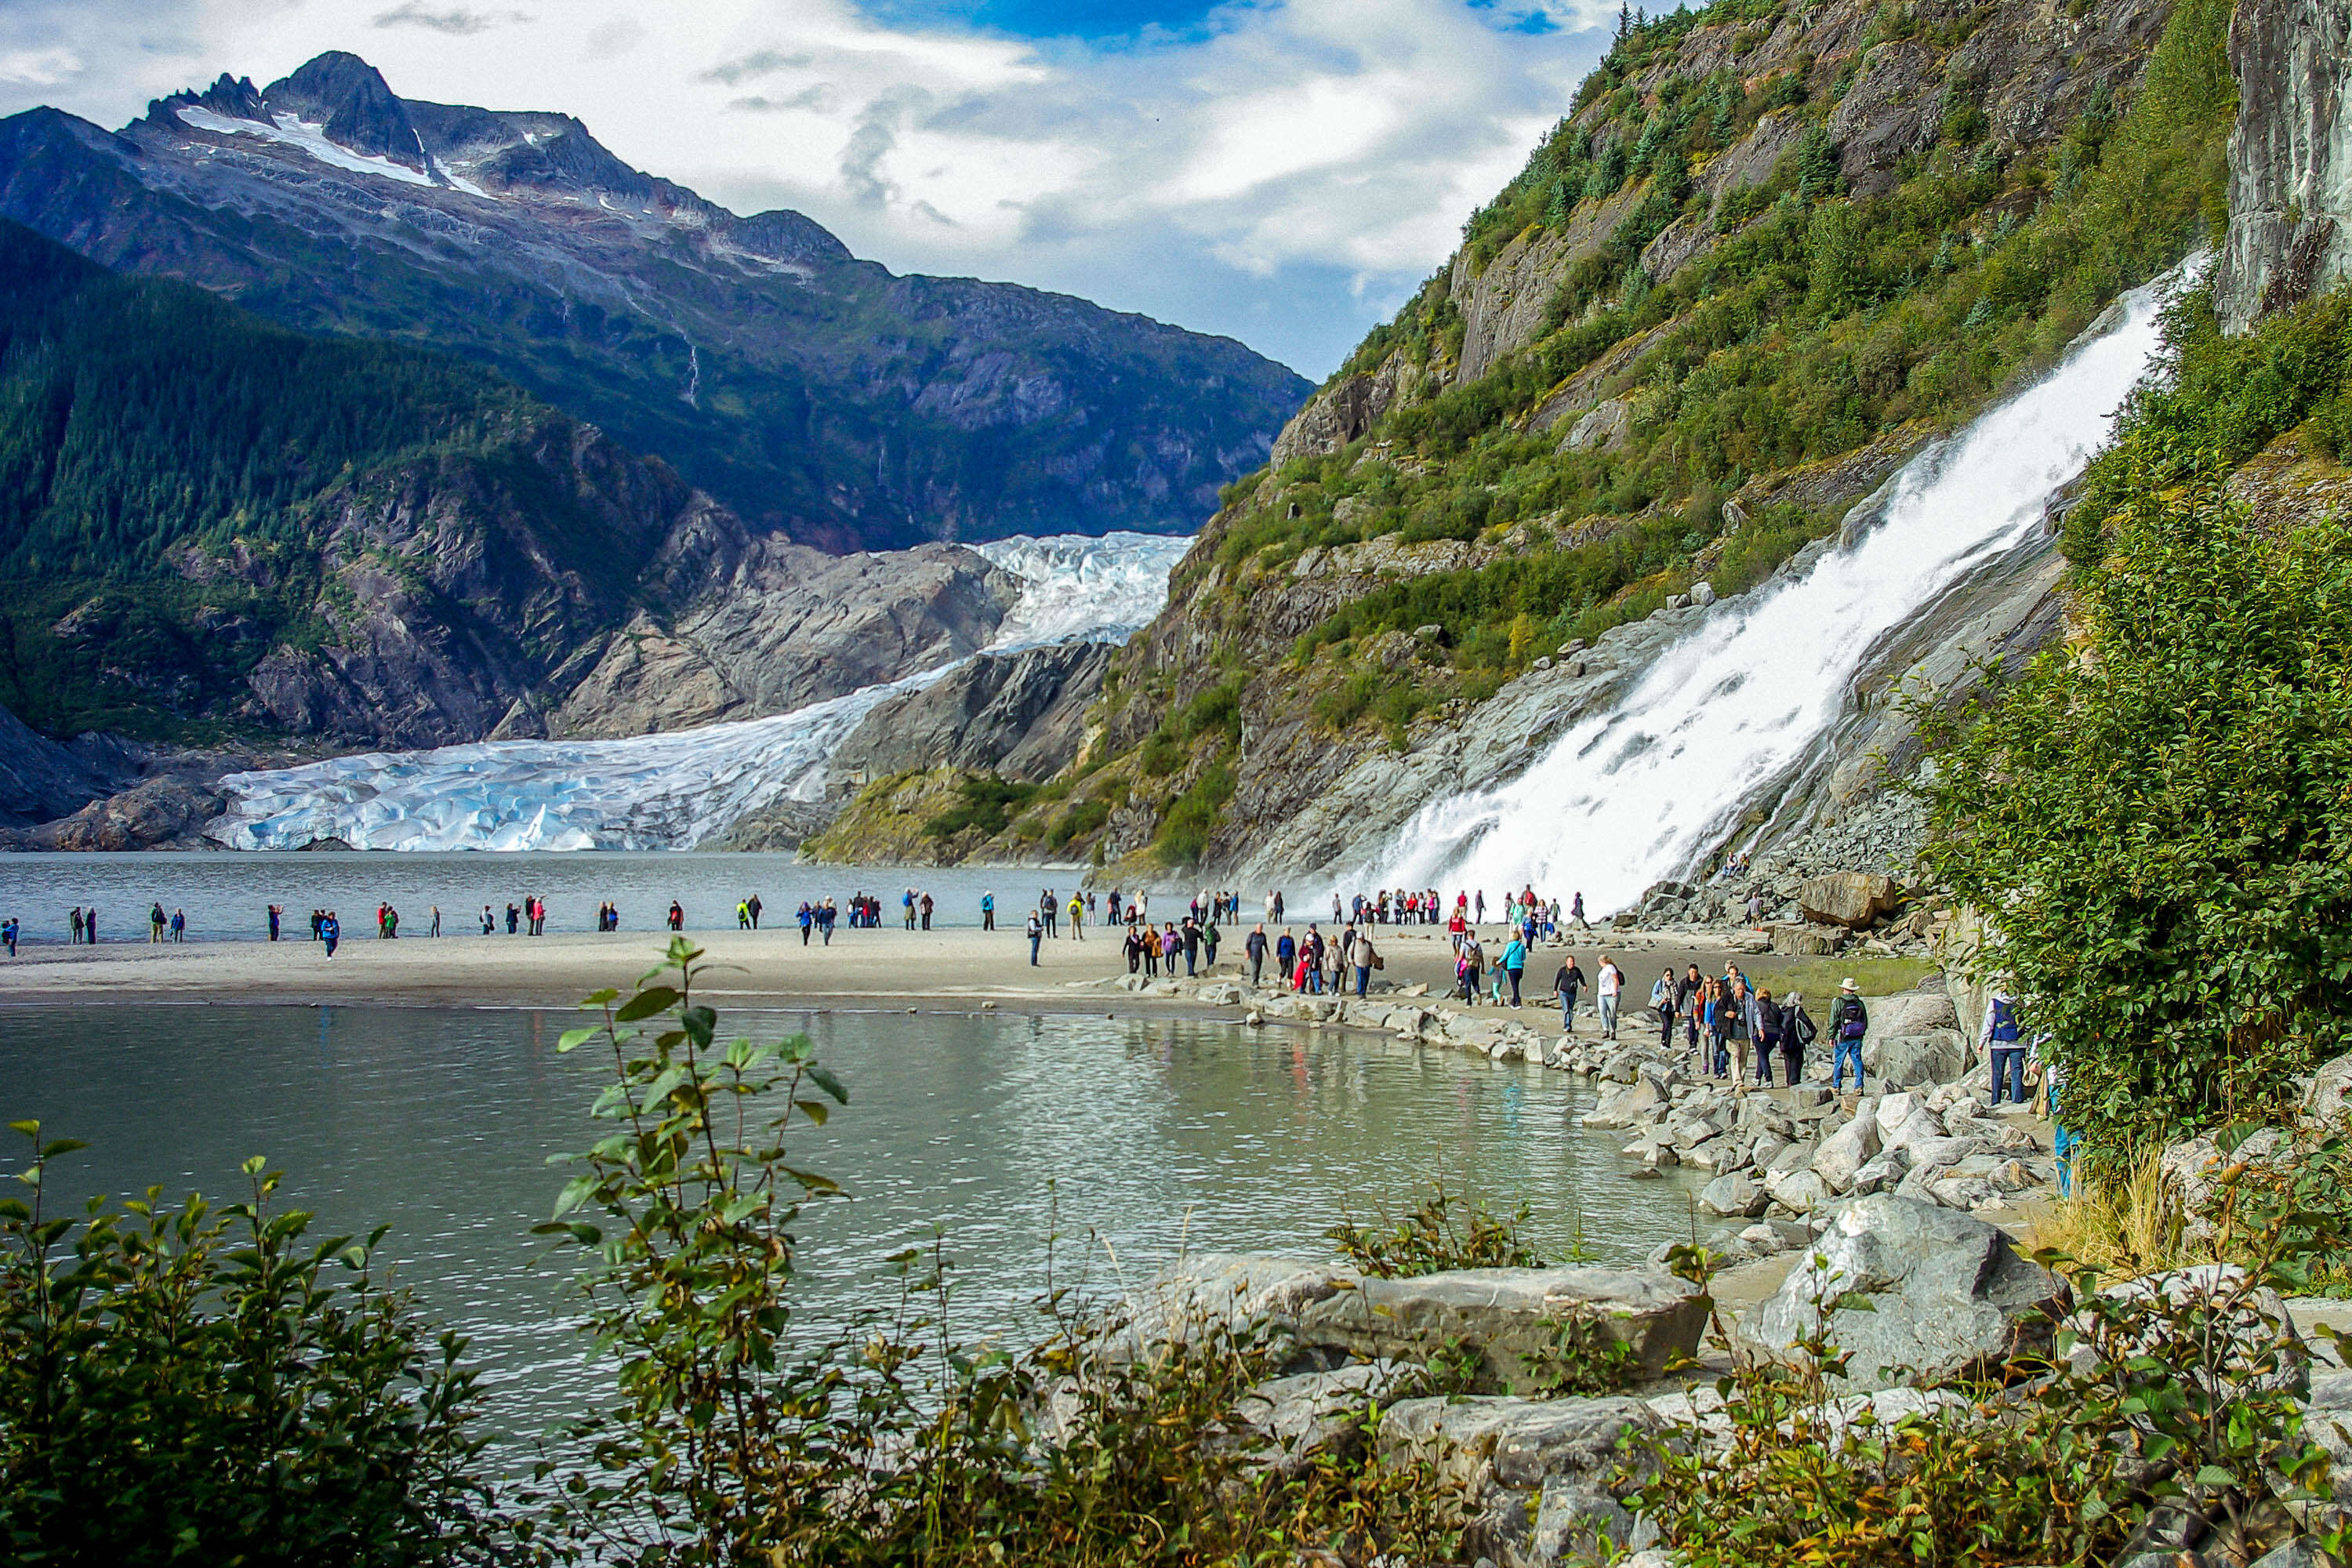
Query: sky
[[1285, 172]]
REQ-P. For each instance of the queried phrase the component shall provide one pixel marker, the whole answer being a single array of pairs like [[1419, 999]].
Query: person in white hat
[[1849, 1021]]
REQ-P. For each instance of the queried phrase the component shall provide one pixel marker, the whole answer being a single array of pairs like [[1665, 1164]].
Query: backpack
[[1856, 1024]]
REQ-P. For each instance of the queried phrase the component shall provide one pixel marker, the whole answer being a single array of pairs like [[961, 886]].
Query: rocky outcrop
[[1021, 715], [809, 391], [38, 778], [2290, 234], [1947, 1296]]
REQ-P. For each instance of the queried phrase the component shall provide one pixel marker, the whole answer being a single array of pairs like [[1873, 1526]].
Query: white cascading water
[[1647, 789], [668, 791]]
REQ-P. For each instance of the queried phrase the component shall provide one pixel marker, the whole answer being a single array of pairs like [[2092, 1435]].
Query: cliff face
[[1767, 255], [2290, 234], [808, 391]]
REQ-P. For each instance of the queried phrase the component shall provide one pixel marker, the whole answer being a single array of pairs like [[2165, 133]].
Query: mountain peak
[[350, 100]]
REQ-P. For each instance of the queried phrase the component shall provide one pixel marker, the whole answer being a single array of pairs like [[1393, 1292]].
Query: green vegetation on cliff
[[1766, 275], [2159, 816], [172, 468]]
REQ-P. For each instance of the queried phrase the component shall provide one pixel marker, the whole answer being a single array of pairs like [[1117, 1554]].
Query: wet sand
[[862, 968]]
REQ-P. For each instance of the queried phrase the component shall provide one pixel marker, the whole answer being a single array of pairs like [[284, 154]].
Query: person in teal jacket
[[1514, 963]]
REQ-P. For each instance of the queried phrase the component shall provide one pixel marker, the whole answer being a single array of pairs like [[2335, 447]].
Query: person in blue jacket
[[331, 932]]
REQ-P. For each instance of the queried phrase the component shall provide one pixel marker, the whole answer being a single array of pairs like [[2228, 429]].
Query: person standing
[[437, 920], [1849, 1023], [1079, 916], [1286, 955], [1050, 907], [155, 923], [1209, 939], [179, 925], [677, 915], [1362, 955], [8, 934], [755, 906], [391, 922], [1471, 966], [1798, 1031], [1191, 940], [1565, 984], [89, 925], [331, 932], [74, 921], [806, 916], [743, 916], [1254, 945], [1662, 997], [924, 907], [275, 915], [1134, 950], [1609, 984], [988, 912], [1036, 935], [1768, 1025], [2004, 1046]]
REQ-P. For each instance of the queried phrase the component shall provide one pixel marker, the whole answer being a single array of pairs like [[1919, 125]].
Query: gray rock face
[[1296, 1419], [38, 778], [1022, 715], [1506, 1313], [1534, 1472], [1735, 1193], [1845, 1151], [2290, 234], [1948, 1295]]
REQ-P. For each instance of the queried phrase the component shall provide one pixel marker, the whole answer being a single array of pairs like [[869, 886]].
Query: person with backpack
[[1798, 1032], [1849, 1021], [1363, 956], [2004, 1046]]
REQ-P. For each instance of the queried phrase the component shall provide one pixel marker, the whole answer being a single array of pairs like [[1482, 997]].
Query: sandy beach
[[862, 968]]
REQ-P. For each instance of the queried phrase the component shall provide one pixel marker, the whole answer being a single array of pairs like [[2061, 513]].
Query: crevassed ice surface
[[667, 791], [1647, 788]]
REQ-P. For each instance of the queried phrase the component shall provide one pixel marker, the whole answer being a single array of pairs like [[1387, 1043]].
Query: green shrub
[[1441, 1233], [199, 1386], [985, 802]]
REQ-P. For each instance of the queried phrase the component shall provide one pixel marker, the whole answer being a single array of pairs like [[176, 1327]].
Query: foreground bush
[[2158, 816], [197, 1386]]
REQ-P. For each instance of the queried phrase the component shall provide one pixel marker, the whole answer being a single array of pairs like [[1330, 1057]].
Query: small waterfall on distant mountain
[[1648, 788], [669, 790]]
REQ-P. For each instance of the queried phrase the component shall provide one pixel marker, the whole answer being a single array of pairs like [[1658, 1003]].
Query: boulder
[[1949, 1295], [1507, 1314], [1803, 940], [1904, 1061], [1293, 1420], [1854, 899], [1735, 1192], [2192, 1169], [1846, 1150], [1876, 1175], [2327, 1098], [1535, 1473], [1894, 1110], [1801, 1190]]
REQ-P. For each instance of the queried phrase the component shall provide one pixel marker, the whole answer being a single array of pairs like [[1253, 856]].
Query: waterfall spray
[[1648, 788]]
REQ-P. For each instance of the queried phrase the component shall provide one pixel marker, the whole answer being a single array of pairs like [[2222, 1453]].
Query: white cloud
[[1283, 172]]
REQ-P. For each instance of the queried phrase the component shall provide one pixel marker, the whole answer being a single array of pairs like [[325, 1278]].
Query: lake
[[1132, 1140], [227, 895]]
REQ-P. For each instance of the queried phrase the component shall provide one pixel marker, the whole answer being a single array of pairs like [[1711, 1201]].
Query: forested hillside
[[190, 497], [1769, 252]]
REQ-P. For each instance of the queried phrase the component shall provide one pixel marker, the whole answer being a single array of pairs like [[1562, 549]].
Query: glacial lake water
[[1131, 1139], [227, 895]]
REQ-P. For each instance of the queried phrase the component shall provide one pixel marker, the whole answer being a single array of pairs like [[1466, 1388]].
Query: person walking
[[755, 906], [988, 912], [1514, 963], [490, 922], [1191, 939], [1769, 1027], [331, 932], [1133, 948], [1471, 966], [1286, 956], [1209, 939], [1689, 991], [1662, 995], [1576, 912], [1036, 935], [1798, 1032], [1254, 945], [1849, 1021], [743, 916], [2004, 1046], [1363, 956], [1741, 1001], [1610, 983], [1565, 984]]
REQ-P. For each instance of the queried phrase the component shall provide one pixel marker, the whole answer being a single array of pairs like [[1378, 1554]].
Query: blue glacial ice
[[668, 791]]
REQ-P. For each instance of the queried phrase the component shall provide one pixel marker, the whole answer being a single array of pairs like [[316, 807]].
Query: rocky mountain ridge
[[811, 391]]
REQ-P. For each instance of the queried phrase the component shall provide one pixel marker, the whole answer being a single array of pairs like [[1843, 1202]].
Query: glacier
[[669, 790]]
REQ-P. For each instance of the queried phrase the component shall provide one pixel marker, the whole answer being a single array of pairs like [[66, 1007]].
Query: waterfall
[[668, 791], [1650, 787]]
